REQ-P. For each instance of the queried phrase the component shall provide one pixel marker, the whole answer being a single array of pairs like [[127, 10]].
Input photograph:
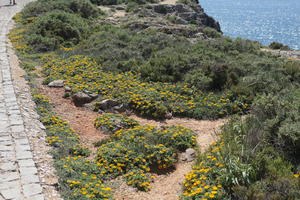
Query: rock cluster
[[186, 14]]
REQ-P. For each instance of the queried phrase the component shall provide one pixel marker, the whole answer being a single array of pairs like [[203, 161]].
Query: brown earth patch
[[81, 119]]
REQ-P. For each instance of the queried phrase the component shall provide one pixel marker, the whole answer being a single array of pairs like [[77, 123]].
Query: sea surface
[[263, 20]]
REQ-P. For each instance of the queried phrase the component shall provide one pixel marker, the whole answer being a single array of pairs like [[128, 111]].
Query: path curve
[[19, 174]]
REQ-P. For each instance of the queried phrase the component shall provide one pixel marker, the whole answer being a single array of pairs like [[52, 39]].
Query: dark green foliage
[[57, 28], [212, 33], [277, 45], [84, 8], [116, 2]]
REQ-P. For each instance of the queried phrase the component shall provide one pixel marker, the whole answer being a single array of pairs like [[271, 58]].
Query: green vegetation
[[136, 151], [277, 45], [77, 174], [155, 72], [254, 159], [116, 2]]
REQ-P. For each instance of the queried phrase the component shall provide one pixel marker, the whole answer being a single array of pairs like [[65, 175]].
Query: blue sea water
[[263, 20]]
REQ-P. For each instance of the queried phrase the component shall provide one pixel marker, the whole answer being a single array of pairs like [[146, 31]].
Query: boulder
[[189, 155], [81, 98], [107, 104], [57, 83]]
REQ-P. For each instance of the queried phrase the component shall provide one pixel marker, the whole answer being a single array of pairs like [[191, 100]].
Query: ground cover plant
[[148, 99], [134, 152]]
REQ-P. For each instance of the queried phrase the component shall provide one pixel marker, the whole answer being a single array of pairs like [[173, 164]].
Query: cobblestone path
[[18, 172]]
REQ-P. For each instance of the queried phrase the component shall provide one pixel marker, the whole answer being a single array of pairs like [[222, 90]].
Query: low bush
[[83, 8], [116, 2], [57, 28], [277, 45], [134, 152]]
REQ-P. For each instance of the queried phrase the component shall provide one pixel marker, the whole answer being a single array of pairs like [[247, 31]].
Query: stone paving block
[[22, 147], [4, 132], [21, 141], [26, 171], [10, 184], [7, 155], [6, 142], [17, 128], [36, 197], [32, 189], [5, 138], [18, 135], [9, 176], [8, 166], [12, 193], [21, 155], [29, 179], [26, 163], [6, 148]]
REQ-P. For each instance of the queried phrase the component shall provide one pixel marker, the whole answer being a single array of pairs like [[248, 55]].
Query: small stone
[[42, 127], [57, 83], [169, 115], [68, 89], [189, 155], [93, 95]]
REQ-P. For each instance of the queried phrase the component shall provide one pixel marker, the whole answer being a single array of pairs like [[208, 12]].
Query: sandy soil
[[80, 118]]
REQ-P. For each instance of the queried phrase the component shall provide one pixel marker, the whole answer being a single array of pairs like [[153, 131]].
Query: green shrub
[[277, 45], [116, 2], [134, 152], [212, 33], [57, 28], [84, 8]]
